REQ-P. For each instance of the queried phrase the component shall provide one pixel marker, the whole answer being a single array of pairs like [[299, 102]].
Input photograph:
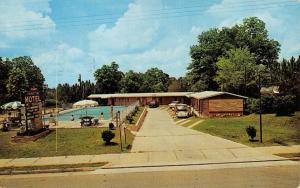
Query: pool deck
[[61, 112]]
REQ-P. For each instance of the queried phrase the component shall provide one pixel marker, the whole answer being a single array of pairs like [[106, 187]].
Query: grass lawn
[[47, 167], [277, 130], [84, 141]]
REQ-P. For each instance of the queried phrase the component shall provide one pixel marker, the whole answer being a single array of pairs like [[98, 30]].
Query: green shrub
[[251, 131], [50, 102], [251, 106], [285, 105], [268, 104], [111, 126], [129, 118], [107, 136], [281, 105]]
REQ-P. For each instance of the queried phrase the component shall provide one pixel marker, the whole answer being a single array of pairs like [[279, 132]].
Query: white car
[[182, 111], [173, 104]]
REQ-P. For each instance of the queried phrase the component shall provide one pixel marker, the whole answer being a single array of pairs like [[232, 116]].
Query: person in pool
[[72, 118], [101, 116]]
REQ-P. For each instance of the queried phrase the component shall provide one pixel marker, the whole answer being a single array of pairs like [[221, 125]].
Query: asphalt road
[[271, 176]]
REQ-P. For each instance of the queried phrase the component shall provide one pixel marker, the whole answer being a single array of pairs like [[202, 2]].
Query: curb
[[199, 164], [56, 170]]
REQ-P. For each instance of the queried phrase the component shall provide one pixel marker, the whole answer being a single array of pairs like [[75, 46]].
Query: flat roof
[[197, 95], [121, 95], [208, 94]]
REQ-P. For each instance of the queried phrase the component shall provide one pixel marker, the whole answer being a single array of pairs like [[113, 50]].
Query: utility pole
[[260, 110], [245, 84], [119, 124], [79, 80]]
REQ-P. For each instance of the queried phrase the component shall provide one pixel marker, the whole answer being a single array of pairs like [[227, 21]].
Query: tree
[[108, 78], [132, 82], [251, 34], [155, 80], [237, 71], [177, 85], [286, 75], [204, 55], [5, 66], [16, 84], [33, 74]]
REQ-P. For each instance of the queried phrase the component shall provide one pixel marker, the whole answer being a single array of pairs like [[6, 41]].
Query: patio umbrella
[[85, 103], [12, 105]]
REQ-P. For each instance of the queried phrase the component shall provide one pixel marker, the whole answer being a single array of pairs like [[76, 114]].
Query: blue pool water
[[95, 112]]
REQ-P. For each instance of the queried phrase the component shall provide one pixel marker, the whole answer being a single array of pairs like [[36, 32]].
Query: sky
[[66, 38]]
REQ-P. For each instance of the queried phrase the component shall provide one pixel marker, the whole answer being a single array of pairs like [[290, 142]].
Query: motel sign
[[33, 109]]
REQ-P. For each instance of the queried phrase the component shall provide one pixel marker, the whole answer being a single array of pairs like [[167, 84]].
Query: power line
[[152, 10], [160, 11], [156, 16]]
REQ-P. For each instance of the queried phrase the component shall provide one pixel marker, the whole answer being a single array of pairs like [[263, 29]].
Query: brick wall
[[226, 105]]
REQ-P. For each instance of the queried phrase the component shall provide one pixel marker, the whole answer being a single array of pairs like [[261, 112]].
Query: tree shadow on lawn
[[253, 140]]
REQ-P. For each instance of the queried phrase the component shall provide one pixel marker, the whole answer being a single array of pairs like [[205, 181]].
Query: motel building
[[203, 104]]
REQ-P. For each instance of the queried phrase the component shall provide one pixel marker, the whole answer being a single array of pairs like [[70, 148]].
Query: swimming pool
[[93, 111]]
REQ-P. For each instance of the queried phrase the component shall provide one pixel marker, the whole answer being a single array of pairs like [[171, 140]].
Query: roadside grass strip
[[292, 156], [50, 168]]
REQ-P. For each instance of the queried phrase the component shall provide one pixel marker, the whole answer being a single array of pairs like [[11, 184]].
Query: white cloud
[[140, 44], [281, 27], [64, 63], [19, 20], [172, 60], [128, 33]]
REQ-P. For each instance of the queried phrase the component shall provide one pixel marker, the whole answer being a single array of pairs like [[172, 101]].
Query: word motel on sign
[[32, 99]]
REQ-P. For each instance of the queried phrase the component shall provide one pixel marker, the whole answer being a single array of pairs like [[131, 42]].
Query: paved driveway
[[160, 133], [161, 141]]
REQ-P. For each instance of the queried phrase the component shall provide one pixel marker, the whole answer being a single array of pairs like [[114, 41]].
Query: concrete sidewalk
[[59, 160], [152, 158]]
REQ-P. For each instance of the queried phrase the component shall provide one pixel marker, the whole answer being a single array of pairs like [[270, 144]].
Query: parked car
[[183, 111], [153, 104], [173, 104]]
